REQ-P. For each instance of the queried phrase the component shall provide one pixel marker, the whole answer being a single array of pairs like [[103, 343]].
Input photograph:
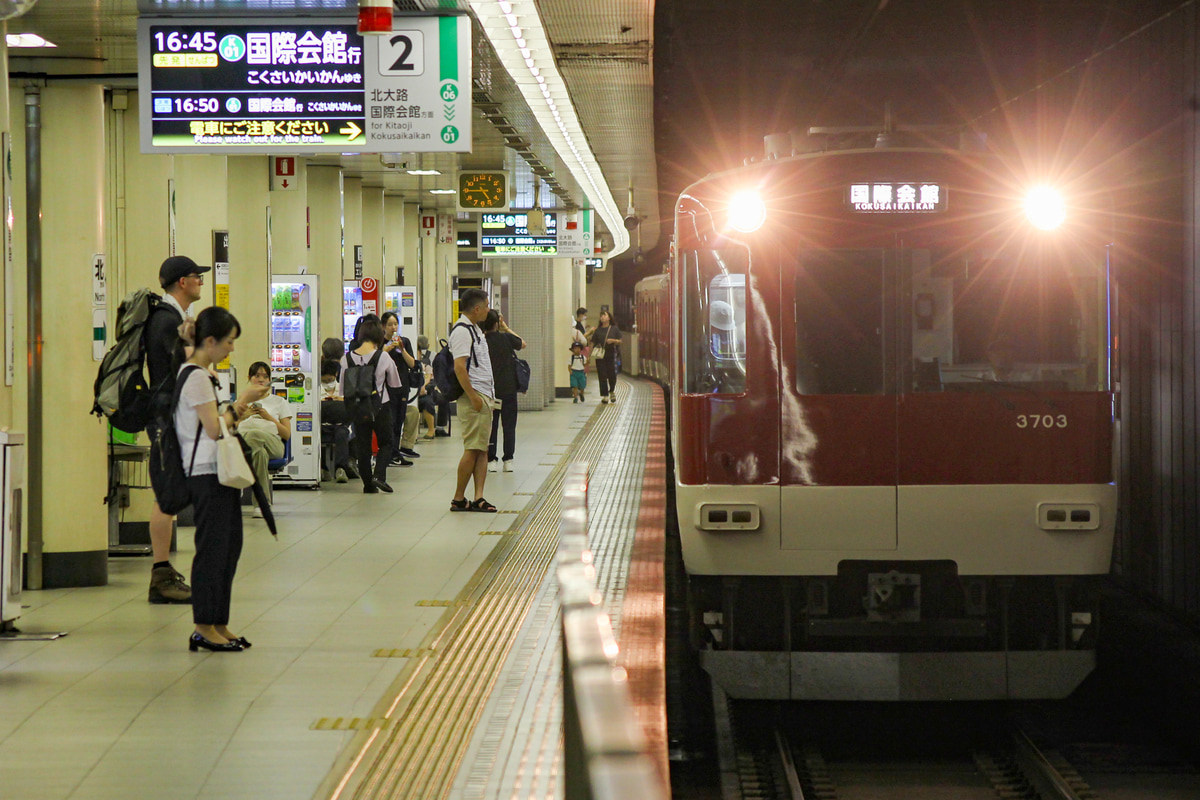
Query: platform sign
[[303, 86], [576, 233], [507, 234]]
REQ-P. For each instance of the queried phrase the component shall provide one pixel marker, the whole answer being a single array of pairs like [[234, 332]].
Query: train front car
[[894, 427]]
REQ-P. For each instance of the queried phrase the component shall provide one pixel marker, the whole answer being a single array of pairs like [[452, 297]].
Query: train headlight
[[1045, 209], [747, 212]]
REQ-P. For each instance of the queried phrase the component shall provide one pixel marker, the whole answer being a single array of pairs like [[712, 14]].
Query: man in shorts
[[473, 367]]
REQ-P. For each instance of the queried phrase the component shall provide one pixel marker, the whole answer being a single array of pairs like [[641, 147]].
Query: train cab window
[[981, 323], [714, 320], [840, 316]]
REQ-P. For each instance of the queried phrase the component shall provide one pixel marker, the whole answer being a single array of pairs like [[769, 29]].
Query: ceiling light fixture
[[424, 172], [516, 45], [27, 40], [443, 191]]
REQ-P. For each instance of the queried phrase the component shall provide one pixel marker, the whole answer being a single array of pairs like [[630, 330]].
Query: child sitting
[[578, 376]]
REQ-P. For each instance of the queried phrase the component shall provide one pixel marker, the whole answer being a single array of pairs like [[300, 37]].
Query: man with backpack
[[473, 369]]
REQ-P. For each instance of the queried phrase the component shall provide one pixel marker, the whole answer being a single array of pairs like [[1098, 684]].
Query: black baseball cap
[[177, 267]]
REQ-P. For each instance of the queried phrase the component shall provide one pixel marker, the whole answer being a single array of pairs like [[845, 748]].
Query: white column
[[325, 200], [249, 280]]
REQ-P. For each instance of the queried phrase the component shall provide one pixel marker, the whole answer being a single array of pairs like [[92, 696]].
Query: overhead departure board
[[507, 234], [297, 86]]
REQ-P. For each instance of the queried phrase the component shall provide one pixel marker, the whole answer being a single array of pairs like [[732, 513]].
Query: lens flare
[[1045, 209], [747, 213]]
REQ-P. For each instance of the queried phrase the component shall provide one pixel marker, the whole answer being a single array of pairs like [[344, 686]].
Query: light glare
[[1045, 209], [747, 213]]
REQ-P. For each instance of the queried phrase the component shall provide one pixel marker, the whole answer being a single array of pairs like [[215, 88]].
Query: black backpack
[[443, 366], [167, 476], [121, 392], [362, 397]]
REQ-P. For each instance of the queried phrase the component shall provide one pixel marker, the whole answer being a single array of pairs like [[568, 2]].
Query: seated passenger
[[335, 423], [265, 426], [440, 404], [425, 398], [1004, 367]]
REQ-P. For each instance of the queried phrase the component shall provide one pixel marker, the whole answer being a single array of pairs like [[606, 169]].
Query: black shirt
[[503, 347], [164, 348], [603, 334]]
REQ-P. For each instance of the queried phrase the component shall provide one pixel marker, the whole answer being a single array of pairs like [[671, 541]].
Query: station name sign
[[502, 234], [911, 197], [303, 86]]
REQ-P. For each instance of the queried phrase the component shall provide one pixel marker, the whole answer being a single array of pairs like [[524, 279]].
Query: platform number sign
[[402, 54]]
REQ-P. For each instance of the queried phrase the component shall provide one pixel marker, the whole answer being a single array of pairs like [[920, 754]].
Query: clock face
[[482, 190]]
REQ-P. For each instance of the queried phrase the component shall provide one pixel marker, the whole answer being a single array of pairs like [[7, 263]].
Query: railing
[[605, 751]]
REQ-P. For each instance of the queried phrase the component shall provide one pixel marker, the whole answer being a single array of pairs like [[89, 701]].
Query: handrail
[[605, 752]]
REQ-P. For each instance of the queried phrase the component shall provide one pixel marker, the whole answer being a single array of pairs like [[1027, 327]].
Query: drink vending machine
[[403, 301], [352, 308], [295, 373]]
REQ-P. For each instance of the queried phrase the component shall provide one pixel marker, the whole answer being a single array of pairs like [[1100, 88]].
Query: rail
[[605, 754]]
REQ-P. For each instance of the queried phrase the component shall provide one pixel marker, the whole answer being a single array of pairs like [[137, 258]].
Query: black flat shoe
[[196, 641], [408, 453], [372, 489], [382, 485], [243, 641]]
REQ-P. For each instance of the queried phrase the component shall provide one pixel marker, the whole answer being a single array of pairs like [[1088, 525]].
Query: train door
[[838, 405]]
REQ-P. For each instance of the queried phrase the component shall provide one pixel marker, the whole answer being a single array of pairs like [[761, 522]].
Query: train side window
[[840, 322], [714, 320]]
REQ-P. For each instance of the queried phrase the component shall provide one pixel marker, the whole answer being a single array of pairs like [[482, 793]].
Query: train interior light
[[747, 212], [1045, 208]]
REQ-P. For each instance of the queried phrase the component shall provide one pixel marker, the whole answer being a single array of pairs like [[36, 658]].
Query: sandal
[[484, 506], [460, 505]]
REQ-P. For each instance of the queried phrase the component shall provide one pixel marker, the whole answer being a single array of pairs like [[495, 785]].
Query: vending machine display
[[352, 308], [403, 301], [295, 374]]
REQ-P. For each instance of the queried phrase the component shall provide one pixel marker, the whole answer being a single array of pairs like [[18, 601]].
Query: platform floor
[[355, 614]]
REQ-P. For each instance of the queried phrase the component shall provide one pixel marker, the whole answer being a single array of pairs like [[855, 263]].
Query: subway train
[[889, 374]]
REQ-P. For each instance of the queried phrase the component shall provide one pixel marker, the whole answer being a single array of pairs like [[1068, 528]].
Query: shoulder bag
[[598, 351], [233, 470]]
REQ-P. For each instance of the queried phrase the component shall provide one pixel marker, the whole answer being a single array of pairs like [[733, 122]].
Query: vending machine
[[352, 308], [295, 373], [403, 301]]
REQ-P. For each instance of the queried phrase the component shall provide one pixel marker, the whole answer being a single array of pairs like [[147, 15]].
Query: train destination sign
[[299, 86], [913, 197], [507, 234]]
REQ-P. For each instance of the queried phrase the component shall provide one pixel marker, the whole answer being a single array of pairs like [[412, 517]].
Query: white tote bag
[[232, 468]]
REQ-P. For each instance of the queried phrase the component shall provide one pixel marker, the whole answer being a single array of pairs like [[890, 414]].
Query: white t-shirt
[[196, 391], [273, 404], [479, 368]]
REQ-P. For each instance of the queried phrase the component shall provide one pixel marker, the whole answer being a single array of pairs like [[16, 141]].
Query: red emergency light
[[374, 16]]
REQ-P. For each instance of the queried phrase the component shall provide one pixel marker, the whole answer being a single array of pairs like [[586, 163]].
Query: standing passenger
[[608, 336], [502, 346], [217, 507], [400, 351], [473, 366], [370, 338]]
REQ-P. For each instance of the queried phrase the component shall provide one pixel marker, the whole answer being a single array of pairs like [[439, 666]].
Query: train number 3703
[[1041, 421]]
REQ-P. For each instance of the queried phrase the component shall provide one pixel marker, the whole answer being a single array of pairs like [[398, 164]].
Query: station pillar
[[372, 237], [325, 212], [249, 278]]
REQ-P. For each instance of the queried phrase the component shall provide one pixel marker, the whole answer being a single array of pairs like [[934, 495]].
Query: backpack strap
[[474, 341], [179, 382]]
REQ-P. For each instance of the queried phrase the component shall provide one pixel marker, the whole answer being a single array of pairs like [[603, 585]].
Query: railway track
[[774, 752]]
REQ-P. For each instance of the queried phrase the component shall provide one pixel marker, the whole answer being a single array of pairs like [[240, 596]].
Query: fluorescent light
[[443, 191], [27, 40], [423, 172]]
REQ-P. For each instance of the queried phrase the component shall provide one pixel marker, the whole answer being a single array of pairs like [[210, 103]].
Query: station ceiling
[[602, 48]]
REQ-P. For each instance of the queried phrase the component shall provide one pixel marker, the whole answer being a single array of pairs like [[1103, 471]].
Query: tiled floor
[[120, 709]]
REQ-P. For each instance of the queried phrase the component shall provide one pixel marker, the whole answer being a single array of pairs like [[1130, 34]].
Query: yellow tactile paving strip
[[425, 721]]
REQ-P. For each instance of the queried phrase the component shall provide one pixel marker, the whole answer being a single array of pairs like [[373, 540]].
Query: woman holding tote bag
[[217, 507], [606, 338]]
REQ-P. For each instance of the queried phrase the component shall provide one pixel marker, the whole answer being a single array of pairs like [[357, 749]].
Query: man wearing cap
[[181, 280]]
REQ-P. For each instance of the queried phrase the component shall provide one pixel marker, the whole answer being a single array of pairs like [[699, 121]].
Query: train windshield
[[883, 321], [714, 319]]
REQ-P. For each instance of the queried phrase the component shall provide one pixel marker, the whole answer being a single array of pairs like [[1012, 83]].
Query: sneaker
[[612, 398], [326, 477], [508, 466], [258, 513], [167, 586], [493, 466], [351, 472], [604, 400], [340, 476], [408, 452]]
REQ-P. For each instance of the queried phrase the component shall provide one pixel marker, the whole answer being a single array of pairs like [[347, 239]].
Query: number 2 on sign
[[1041, 421], [402, 54]]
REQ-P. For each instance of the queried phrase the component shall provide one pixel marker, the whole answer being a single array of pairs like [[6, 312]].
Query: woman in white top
[[266, 425], [370, 338], [217, 508]]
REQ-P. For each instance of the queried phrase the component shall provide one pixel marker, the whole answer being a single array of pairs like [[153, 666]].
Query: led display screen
[[502, 234]]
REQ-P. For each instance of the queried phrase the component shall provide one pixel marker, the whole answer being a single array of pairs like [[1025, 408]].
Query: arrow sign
[[449, 111], [283, 173], [352, 130]]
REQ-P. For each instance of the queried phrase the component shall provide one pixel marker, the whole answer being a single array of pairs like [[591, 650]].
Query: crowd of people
[[394, 402]]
